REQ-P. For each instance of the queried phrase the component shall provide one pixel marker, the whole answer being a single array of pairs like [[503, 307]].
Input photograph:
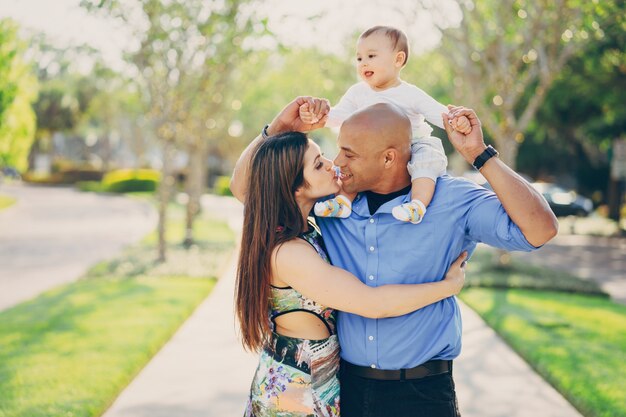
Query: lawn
[[577, 342], [72, 350], [6, 201]]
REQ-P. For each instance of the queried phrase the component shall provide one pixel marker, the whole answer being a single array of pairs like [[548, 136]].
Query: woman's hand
[[289, 117], [456, 274]]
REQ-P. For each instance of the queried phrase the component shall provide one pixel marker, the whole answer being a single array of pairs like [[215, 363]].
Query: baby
[[381, 54]]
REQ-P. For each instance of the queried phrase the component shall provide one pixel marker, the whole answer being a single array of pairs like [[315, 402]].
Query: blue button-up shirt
[[381, 250]]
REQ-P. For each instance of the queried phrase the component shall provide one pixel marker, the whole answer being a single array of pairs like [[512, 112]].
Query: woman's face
[[318, 173]]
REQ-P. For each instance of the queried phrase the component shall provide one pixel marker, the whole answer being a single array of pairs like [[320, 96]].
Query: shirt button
[[371, 220], [373, 366], [371, 338], [371, 277], [371, 249]]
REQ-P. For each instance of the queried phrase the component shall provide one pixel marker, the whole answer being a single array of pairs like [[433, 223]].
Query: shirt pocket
[[411, 249]]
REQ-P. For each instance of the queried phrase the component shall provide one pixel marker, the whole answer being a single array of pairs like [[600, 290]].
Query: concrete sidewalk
[[204, 372]]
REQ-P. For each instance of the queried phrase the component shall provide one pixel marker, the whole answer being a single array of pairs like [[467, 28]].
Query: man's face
[[318, 174], [360, 159]]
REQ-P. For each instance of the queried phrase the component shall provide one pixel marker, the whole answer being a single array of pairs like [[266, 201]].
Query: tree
[[18, 89], [269, 79], [583, 114], [183, 62], [506, 56]]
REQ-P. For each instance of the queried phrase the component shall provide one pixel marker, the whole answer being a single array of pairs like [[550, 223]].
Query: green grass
[[576, 342], [70, 351], [205, 229], [566, 328], [6, 201]]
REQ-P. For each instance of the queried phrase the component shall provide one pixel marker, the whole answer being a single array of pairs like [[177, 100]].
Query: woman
[[287, 290]]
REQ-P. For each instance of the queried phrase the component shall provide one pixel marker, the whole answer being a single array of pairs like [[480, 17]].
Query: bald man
[[402, 366]]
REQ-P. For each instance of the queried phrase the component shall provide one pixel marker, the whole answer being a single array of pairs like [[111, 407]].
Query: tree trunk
[[506, 145], [164, 197], [194, 185], [106, 152], [615, 199]]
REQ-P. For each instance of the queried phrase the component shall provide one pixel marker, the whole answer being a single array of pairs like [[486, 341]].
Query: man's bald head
[[384, 123], [374, 149]]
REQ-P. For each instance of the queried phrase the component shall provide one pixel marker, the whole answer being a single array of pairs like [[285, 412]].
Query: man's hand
[[289, 118], [468, 145], [462, 124]]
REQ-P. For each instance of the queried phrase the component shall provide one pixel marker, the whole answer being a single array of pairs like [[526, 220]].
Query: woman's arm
[[286, 121], [297, 264]]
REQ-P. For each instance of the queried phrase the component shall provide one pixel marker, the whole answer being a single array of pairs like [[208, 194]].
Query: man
[[402, 366]]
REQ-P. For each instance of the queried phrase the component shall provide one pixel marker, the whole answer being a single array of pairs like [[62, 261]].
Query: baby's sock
[[413, 212], [340, 206]]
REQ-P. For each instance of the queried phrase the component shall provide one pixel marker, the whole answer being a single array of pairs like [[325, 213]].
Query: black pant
[[432, 396]]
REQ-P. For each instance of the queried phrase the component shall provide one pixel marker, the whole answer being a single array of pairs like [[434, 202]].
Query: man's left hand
[[470, 145]]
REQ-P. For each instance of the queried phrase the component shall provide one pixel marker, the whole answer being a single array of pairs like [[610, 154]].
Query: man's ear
[[391, 156]]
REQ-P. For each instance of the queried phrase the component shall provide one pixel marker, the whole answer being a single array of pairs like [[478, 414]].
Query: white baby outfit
[[428, 158]]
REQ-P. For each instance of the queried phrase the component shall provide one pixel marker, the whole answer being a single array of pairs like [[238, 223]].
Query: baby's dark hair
[[398, 38]]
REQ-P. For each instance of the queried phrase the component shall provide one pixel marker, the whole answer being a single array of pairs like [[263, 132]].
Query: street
[[52, 235]]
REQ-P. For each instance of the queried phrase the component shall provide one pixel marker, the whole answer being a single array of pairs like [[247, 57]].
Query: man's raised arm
[[524, 205], [288, 120]]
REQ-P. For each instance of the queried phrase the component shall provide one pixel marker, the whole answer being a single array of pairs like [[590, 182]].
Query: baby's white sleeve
[[429, 107], [344, 109]]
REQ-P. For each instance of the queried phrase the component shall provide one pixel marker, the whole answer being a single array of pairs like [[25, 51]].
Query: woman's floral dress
[[297, 377]]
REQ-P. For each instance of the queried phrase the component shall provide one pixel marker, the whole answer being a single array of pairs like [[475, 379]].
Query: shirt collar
[[360, 207]]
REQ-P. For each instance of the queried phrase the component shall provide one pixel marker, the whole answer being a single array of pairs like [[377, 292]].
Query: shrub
[[93, 186], [64, 176], [222, 185], [131, 180]]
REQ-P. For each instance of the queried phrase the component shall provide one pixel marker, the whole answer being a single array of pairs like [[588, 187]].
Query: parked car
[[564, 202]]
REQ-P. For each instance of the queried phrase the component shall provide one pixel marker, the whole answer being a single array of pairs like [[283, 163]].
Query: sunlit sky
[[325, 23]]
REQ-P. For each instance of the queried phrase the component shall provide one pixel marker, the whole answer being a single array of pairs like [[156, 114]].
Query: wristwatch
[[484, 157]]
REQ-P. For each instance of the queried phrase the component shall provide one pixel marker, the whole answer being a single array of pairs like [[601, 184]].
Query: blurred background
[[121, 121], [89, 87]]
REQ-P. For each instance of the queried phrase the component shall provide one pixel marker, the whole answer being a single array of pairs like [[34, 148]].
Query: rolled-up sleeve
[[488, 222]]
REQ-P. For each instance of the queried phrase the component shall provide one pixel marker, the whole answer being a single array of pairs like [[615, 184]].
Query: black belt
[[434, 367]]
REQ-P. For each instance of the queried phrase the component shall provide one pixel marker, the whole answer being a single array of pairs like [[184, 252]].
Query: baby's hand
[[306, 115], [462, 125]]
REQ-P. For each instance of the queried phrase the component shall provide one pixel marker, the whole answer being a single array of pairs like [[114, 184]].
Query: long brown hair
[[271, 217]]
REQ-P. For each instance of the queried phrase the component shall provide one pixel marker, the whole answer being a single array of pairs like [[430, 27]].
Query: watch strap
[[487, 154]]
